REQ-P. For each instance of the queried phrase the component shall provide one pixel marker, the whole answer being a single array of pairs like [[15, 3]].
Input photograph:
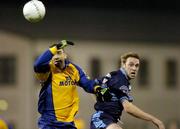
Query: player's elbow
[[39, 67], [127, 106], [36, 66]]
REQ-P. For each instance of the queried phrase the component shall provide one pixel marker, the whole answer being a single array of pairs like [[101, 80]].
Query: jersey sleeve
[[85, 82], [124, 94], [120, 86], [41, 65]]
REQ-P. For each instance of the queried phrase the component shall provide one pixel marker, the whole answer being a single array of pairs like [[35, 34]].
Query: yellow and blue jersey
[[4, 124], [58, 98]]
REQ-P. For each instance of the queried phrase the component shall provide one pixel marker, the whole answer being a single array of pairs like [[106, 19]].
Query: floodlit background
[[102, 30]]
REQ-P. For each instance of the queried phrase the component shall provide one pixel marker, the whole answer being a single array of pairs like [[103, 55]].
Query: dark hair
[[125, 56]]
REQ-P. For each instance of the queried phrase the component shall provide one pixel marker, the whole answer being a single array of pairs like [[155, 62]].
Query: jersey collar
[[124, 72]]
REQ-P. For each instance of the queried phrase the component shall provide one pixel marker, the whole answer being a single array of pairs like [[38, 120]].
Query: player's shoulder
[[118, 78], [114, 73], [70, 63], [76, 67]]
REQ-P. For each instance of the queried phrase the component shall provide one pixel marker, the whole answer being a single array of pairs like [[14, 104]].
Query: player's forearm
[[136, 112], [42, 63], [87, 84]]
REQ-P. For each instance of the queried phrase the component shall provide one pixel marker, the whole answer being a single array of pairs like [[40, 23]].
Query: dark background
[[172, 5], [125, 20]]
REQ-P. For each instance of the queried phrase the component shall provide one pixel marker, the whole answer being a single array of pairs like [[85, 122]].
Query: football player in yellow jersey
[[58, 99], [4, 124]]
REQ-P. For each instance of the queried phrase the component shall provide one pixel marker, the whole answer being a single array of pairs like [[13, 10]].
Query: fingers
[[159, 124]]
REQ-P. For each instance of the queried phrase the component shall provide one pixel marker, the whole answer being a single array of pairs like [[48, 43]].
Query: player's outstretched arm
[[136, 112]]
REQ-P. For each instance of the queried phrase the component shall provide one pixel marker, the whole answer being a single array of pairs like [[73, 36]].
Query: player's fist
[[103, 94], [62, 44]]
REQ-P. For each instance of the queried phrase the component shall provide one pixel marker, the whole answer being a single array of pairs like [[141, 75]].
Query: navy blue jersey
[[119, 86]]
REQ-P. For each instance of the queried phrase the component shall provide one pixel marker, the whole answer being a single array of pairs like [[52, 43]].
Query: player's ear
[[123, 64], [65, 55]]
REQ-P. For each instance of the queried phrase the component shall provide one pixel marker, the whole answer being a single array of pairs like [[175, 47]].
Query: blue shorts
[[44, 123], [100, 120]]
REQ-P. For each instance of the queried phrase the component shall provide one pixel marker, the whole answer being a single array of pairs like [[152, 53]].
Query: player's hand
[[159, 124], [103, 94], [62, 44]]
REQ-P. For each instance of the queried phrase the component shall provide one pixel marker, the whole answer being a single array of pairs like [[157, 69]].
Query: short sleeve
[[124, 94]]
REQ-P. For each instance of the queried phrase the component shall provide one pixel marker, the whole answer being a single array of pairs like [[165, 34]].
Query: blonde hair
[[125, 56]]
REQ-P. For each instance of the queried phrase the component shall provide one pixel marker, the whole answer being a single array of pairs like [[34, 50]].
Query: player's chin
[[58, 63], [132, 76]]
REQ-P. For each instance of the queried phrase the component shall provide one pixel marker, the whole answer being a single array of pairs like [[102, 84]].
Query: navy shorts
[[44, 123], [100, 120]]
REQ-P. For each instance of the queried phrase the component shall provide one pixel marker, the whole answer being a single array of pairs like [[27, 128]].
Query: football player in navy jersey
[[58, 99], [109, 108]]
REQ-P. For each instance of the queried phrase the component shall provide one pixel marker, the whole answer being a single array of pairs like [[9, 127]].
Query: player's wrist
[[53, 49], [97, 88]]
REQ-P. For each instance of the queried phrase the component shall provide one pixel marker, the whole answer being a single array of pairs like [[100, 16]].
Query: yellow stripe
[[95, 88], [53, 50]]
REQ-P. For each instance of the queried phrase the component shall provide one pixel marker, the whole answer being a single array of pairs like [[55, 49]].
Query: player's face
[[131, 67], [59, 59]]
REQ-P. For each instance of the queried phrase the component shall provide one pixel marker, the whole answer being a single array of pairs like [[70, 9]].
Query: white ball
[[34, 11]]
